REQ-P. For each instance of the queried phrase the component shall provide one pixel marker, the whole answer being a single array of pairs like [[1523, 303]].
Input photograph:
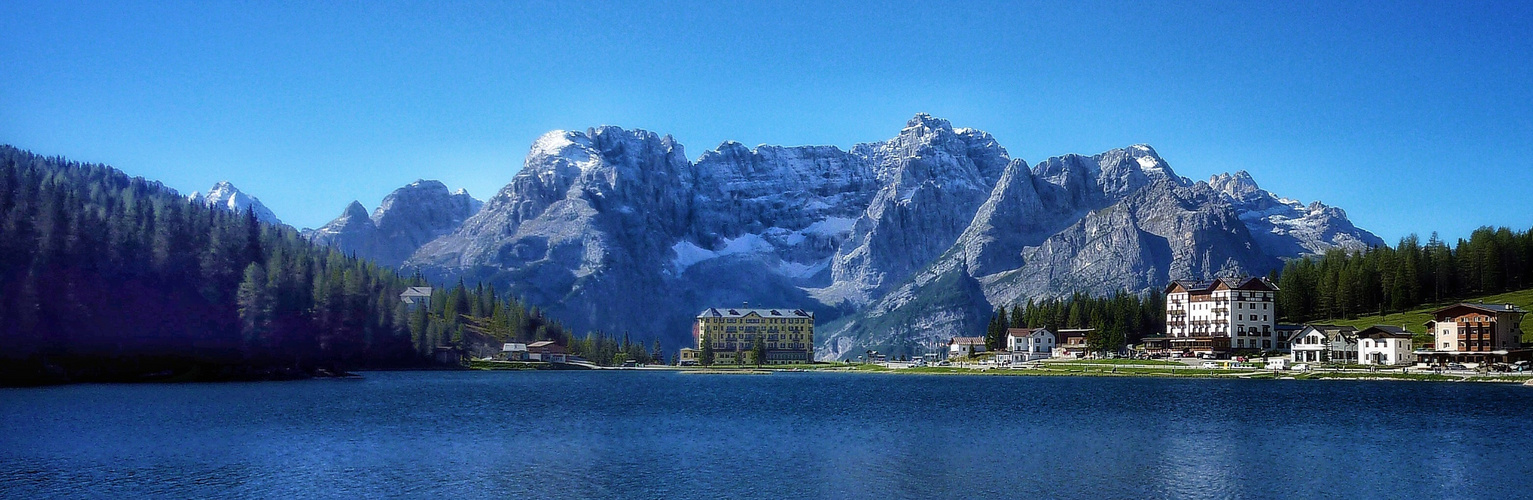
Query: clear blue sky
[[1412, 117]]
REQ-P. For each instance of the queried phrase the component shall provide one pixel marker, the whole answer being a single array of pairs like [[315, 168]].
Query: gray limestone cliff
[[894, 244], [408, 218]]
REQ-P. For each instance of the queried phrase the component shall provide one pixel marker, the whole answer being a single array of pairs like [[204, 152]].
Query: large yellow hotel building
[[788, 334]]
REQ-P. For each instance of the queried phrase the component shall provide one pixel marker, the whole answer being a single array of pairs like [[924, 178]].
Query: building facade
[[513, 351], [1384, 346], [1029, 344], [787, 333], [1324, 344], [1476, 333], [547, 351], [1221, 315], [1072, 342], [960, 347]]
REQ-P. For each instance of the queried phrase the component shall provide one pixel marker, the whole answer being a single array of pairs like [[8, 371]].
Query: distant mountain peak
[[409, 217], [355, 210], [926, 121], [224, 195]]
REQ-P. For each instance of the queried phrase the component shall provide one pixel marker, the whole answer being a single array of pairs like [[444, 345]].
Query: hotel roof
[[1025, 332], [740, 312], [1251, 283], [1490, 308], [1377, 331]]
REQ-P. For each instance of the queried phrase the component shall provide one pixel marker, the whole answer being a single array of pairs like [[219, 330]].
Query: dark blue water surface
[[785, 435]]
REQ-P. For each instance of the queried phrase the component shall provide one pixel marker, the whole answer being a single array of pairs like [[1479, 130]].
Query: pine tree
[[705, 357]]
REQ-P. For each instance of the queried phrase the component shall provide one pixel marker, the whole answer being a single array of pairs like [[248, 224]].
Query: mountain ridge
[[615, 229]]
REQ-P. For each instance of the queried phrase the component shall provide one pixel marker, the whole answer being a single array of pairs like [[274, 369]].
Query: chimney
[[745, 305]]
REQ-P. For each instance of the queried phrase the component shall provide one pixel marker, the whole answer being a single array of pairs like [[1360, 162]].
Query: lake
[[613, 434]]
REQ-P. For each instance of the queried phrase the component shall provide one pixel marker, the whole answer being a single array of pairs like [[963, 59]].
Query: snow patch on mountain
[[224, 195], [1285, 226]]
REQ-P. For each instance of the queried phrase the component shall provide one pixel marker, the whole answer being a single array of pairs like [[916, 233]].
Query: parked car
[[1301, 367], [1210, 364], [1458, 366]]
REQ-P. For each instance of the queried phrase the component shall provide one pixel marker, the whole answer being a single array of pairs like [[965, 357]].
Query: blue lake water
[[786, 435]]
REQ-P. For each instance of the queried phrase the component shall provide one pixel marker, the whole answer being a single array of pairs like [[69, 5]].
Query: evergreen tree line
[[1116, 320], [601, 349], [107, 277], [1384, 279]]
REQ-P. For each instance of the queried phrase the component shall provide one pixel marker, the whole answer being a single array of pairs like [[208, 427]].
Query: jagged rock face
[[352, 232], [1287, 227], [895, 245], [1012, 218], [1163, 231], [584, 230], [414, 215], [1120, 220], [409, 217], [225, 195], [935, 178]]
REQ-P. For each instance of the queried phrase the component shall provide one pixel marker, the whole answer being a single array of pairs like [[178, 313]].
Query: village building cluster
[[1233, 317]]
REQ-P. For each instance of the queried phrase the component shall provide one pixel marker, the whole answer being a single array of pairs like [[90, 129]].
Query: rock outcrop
[[408, 218]]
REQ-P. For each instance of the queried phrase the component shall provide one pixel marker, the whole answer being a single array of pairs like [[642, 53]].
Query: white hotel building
[[1221, 315]]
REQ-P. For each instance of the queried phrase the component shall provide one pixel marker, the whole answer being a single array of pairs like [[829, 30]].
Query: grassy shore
[[1098, 369], [1414, 319], [1059, 368]]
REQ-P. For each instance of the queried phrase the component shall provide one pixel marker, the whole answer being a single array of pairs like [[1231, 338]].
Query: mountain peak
[[1238, 185], [926, 121], [355, 209], [224, 195]]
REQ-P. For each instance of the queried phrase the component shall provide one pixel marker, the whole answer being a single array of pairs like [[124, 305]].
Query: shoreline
[[1107, 370]]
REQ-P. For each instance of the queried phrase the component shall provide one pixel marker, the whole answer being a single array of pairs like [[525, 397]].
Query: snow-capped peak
[[225, 195]]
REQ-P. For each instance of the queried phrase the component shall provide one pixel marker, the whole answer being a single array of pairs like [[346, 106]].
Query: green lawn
[[1156, 362], [1415, 319], [507, 365]]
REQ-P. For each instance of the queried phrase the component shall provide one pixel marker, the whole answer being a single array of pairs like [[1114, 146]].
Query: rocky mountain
[[1287, 227], [894, 244], [225, 195], [408, 218]]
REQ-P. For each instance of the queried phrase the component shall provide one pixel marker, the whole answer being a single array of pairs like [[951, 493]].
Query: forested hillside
[[109, 277], [1385, 279], [1118, 320]]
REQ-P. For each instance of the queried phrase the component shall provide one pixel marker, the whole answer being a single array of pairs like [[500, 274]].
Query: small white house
[[1384, 345], [1028, 344], [965, 346], [1324, 344], [416, 296], [513, 351]]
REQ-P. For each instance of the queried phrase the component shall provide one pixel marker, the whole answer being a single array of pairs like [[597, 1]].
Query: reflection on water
[[787, 435]]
